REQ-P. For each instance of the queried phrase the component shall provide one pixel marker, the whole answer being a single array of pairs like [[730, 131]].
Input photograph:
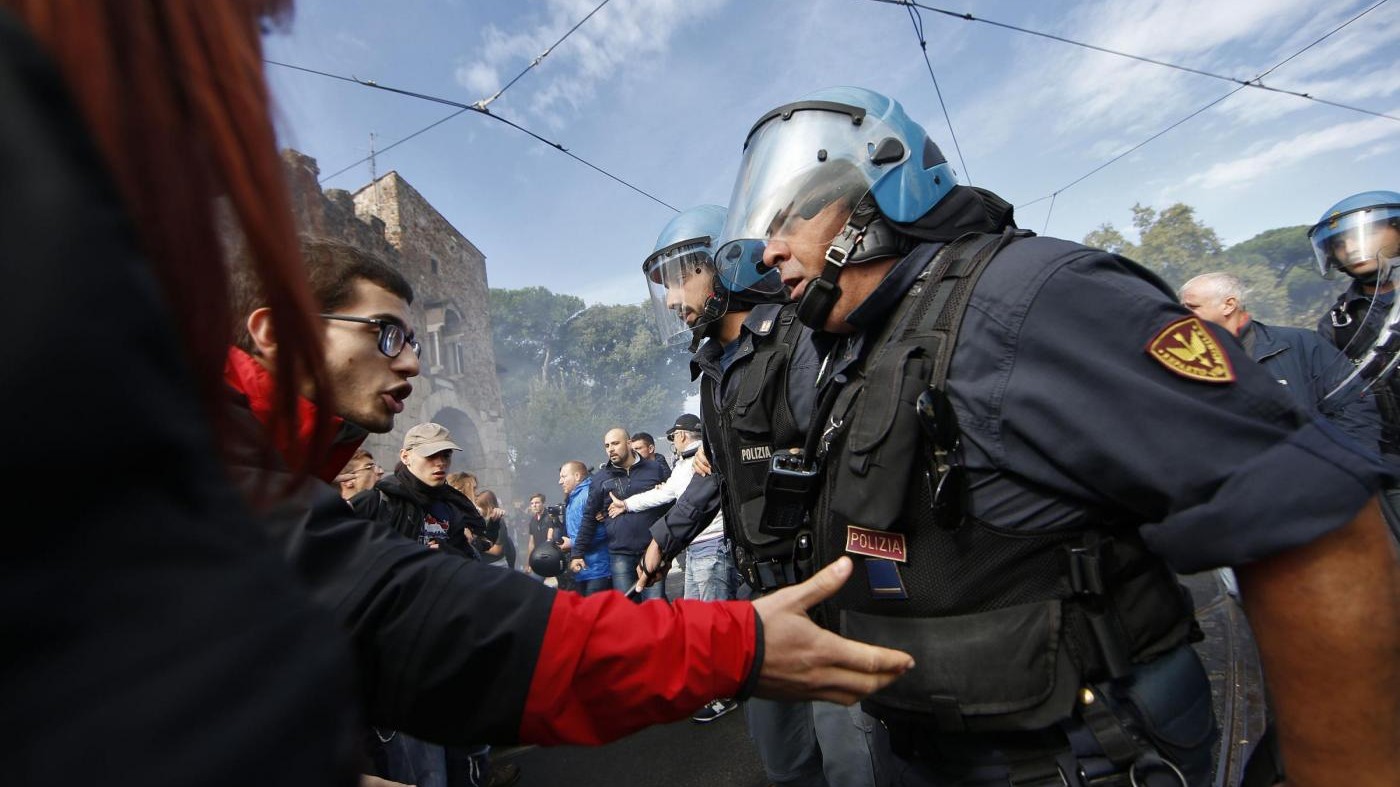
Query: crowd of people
[[957, 467]]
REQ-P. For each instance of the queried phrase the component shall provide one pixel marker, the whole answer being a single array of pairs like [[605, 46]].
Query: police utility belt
[[1008, 627]]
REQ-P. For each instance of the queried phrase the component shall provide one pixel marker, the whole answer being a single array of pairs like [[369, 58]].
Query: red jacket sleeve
[[609, 667]]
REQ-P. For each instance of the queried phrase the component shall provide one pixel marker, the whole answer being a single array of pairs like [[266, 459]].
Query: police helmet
[[832, 165], [1362, 228], [686, 293], [547, 560]]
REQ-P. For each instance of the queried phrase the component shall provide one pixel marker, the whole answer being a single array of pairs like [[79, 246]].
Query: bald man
[[626, 473], [1302, 361]]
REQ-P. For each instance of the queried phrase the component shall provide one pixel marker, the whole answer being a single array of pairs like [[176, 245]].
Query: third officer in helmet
[[1360, 236], [1019, 440], [757, 367]]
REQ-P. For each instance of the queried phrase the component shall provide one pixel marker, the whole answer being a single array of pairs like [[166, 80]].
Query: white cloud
[[1243, 171], [624, 35]]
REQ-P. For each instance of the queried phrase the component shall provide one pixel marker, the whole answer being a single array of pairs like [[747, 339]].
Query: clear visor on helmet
[[799, 181], [1357, 242], [681, 283]]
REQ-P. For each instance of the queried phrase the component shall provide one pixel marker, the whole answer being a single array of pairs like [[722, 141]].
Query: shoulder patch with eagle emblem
[[1187, 348]]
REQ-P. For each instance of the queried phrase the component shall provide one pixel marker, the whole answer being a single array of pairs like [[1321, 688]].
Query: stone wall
[[458, 386]]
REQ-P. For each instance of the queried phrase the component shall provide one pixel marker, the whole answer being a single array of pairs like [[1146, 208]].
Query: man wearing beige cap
[[416, 500]]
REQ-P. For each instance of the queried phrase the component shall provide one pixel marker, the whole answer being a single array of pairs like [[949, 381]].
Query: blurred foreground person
[[188, 651]]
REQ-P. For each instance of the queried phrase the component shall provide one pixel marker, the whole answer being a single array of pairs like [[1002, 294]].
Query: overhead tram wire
[[918, 21], [1052, 195], [480, 111], [388, 148], [1254, 83]]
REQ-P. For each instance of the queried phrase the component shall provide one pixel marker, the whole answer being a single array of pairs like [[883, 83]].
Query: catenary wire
[[1051, 196], [918, 20], [484, 112], [1254, 83]]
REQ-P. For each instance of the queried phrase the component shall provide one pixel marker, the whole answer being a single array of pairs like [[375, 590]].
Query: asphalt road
[[682, 754]]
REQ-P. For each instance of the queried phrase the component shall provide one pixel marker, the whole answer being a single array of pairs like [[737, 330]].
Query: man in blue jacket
[[591, 571], [628, 534], [1302, 361]]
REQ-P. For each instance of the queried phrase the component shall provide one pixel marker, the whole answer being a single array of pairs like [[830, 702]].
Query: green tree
[[570, 372], [1276, 266], [1174, 243]]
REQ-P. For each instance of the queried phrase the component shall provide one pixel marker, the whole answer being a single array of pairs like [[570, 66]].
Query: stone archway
[[465, 434]]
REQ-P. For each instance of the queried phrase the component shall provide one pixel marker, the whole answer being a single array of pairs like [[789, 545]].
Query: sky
[[661, 93]]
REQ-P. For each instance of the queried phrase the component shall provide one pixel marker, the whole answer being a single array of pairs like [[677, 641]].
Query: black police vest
[[1006, 626], [741, 436]]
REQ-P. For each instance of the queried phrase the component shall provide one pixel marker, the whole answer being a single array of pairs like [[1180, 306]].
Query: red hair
[[174, 95]]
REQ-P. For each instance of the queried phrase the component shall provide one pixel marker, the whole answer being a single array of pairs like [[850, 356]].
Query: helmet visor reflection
[[796, 167], [680, 283], [1357, 242]]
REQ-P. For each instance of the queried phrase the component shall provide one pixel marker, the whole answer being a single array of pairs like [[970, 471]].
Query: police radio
[[787, 491]]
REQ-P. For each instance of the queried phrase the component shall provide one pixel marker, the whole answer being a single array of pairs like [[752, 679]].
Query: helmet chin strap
[[710, 313], [822, 292]]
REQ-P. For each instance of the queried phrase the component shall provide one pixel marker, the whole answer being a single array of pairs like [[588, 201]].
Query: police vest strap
[[875, 408]]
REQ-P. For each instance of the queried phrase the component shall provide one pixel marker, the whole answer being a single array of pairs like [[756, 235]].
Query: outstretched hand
[[617, 507], [803, 661], [700, 463]]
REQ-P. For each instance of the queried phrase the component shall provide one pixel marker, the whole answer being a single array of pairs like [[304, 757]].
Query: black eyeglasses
[[947, 481], [392, 336]]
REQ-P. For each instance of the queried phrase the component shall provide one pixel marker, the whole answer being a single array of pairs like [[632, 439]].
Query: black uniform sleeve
[[1072, 401], [693, 511], [154, 636]]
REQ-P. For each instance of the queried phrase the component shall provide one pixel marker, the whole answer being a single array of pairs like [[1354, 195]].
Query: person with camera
[[592, 572], [545, 523]]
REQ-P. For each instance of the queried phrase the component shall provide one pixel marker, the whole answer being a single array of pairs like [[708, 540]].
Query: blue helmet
[[686, 293], [1362, 228], [811, 164]]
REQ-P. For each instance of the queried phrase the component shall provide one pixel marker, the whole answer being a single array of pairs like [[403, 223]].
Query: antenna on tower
[[373, 173]]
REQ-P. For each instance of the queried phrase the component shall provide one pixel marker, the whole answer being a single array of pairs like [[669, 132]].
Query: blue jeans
[[416, 762], [710, 573], [816, 744], [624, 575], [587, 587]]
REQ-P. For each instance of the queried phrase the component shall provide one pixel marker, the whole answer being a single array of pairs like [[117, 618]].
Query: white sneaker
[[713, 710]]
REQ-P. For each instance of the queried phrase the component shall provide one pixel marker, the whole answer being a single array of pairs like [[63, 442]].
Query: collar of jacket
[[249, 378], [761, 321]]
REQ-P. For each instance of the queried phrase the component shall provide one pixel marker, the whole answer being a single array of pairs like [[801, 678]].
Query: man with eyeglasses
[[371, 353], [359, 474]]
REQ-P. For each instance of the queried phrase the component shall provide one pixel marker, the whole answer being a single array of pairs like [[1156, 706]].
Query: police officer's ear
[[1230, 305], [263, 335]]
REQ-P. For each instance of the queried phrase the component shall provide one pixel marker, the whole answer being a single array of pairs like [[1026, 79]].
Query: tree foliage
[[1276, 266], [568, 373]]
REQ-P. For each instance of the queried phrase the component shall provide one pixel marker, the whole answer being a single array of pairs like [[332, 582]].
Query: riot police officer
[[1360, 236], [757, 366], [1019, 438]]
